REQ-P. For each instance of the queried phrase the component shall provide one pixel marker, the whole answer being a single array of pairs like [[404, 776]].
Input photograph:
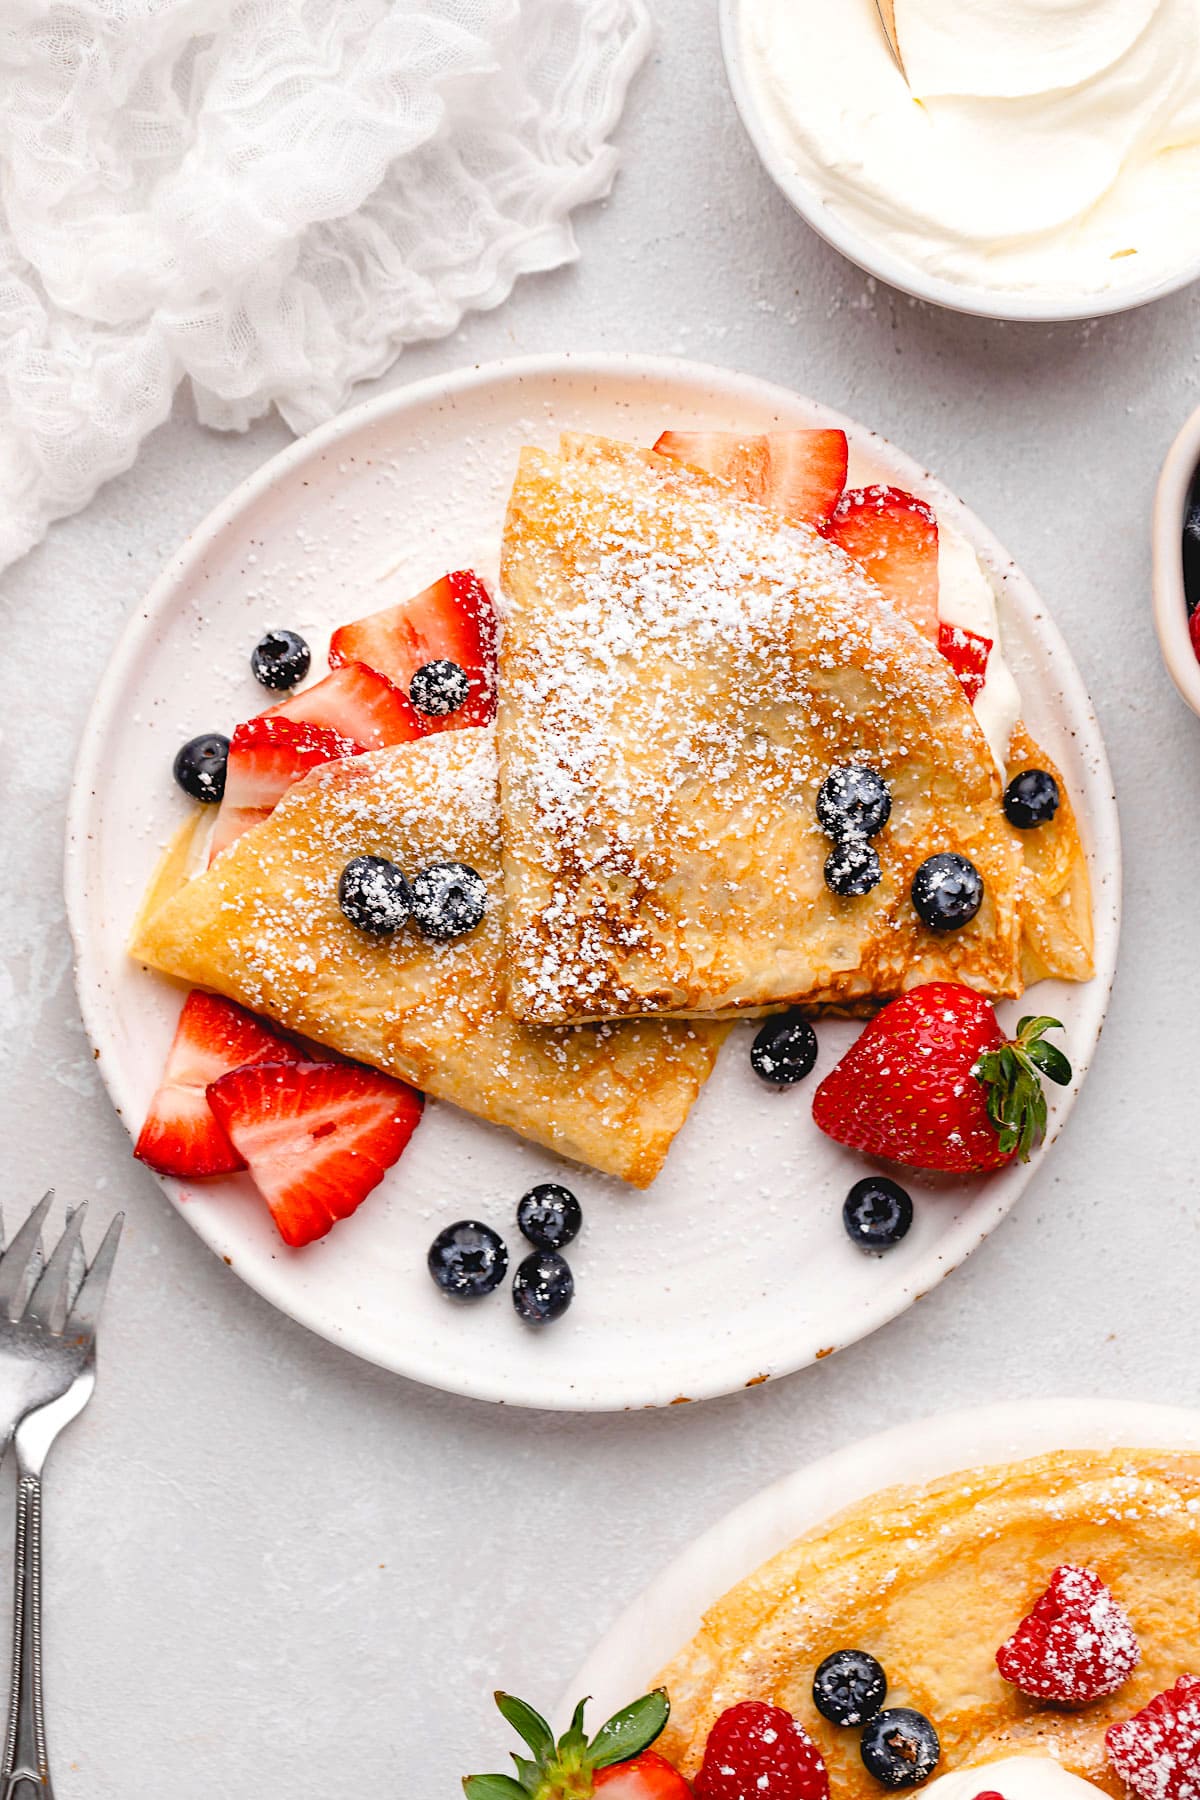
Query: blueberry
[[849, 1687], [200, 767], [853, 802], [374, 895], [439, 688], [900, 1747], [784, 1050], [543, 1287], [468, 1260], [1191, 549], [549, 1215], [947, 891], [852, 868], [280, 659], [877, 1213], [448, 899], [1031, 799]]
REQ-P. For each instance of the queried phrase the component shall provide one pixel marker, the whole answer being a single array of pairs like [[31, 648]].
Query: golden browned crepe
[[932, 1581], [1056, 895], [263, 926], [680, 671]]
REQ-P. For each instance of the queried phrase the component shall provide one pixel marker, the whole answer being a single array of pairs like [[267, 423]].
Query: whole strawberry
[[617, 1762], [1157, 1752], [933, 1083], [1076, 1646], [760, 1752]]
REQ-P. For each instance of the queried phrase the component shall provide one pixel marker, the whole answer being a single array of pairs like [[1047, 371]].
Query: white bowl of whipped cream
[[1034, 159]]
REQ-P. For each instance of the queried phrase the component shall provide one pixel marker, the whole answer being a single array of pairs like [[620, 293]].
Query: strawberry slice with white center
[[451, 621], [266, 756], [181, 1136], [359, 704], [894, 536], [798, 473], [967, 653], [318, 1137]]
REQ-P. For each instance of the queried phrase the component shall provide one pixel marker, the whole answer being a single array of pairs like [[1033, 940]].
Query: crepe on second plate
[[932, 1581], [263, 926], [680, 670]]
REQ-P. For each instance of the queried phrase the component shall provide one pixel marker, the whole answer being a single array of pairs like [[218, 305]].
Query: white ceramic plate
[[693, 1288], [667, 1616]]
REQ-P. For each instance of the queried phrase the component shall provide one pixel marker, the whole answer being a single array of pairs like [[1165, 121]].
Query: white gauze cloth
[[269, 198]]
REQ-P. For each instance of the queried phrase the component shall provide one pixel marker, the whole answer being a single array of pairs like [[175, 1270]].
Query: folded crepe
[[263, 926], [680, 671], [932, 1581]]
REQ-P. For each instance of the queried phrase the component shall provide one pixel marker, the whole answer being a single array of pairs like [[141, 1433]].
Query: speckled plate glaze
[[668, 1614], [734, 1267]]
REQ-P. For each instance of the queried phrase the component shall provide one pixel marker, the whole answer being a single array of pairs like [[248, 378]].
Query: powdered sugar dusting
[[263, 925], [1076, 1646], [1157, 1753], [679, 673]]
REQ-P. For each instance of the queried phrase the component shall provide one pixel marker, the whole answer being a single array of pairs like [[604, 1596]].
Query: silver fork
[[47, 1373]]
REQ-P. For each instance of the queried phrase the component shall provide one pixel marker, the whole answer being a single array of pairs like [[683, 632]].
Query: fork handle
[[26, 1770]]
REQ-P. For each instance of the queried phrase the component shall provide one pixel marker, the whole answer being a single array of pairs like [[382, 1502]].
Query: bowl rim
[[1008, 305], [1179, 470]]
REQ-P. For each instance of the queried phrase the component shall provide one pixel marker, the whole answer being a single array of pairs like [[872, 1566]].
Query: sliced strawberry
[[181, 1136], [318, 1137], [648, 1777], [1194, 633], [359, 704], [1076, 1645], [266, 756], [753, 1749], [807, 472], [967, 653], [452, 621], [798, 473], [895, 538], [1157, 1752]]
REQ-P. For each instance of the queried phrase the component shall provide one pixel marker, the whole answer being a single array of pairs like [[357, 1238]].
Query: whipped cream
[[1014, 1778], [1041, 144], [966, 597]]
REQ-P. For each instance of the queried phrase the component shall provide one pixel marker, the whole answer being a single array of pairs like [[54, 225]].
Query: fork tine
[[51, 1298], [17, 1263], [84, 1316]]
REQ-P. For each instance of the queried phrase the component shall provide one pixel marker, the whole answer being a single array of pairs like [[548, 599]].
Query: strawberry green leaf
[[528, 1725], [1011, 1079], [1030, 1027], [630, 1731], [572, 1745], [493, 1787], [1051, 1061], [529, 1774]]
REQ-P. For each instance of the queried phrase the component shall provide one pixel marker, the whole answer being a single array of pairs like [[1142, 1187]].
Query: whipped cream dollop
[[1014, 1778], [1038, 144]]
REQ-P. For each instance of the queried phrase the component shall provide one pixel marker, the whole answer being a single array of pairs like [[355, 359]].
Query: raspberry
[[1077, 1645], [759, 1752], [1157, 1752]]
